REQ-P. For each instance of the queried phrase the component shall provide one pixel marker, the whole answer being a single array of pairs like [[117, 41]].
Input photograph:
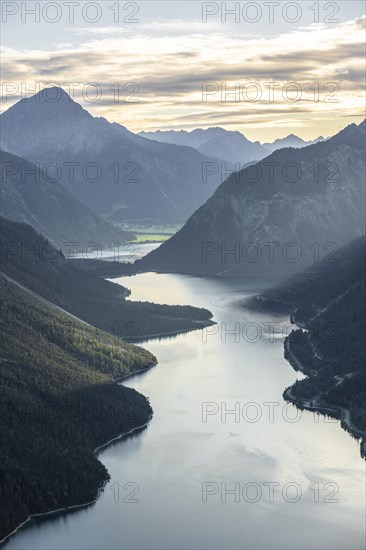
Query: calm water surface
[[160, 477], [129, 252]]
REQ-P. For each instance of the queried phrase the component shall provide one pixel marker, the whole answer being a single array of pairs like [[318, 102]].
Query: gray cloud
[[170, 71]]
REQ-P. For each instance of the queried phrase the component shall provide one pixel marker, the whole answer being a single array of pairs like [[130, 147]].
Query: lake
[[128, 252], [224, 462]]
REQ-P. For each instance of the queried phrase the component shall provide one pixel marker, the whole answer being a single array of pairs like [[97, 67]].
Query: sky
[[267, 69]]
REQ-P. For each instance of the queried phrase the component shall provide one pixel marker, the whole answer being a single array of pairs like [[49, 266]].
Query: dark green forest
[[31, 260], [58, 403], [328, 304], [58, 398]]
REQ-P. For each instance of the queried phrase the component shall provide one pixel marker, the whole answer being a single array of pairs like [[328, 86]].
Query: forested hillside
[[329, 347], [58, 403], [28, 258]]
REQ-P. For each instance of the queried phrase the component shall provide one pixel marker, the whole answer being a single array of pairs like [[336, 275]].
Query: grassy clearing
[[151, 237]]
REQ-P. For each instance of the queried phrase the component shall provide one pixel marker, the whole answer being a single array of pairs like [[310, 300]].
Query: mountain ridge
[[256, 208], [29, 195], [104, 165], [231, 146], [292, 140]]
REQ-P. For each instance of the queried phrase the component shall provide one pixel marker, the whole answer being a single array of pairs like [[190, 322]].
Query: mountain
[[215, 142], [113, 171], [30, 260], [227, 145], [277, 216], [60, 350], [311, 292], [195, 138], [58, 403], [329, 346], [29, 195], [290, 141]]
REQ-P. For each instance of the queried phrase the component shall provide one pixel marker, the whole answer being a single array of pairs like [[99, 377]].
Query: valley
[[182, 278], [168, 462]]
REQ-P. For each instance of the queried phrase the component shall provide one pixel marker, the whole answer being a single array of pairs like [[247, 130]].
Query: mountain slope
[[215, 142], [30, 260], [29, 195], [118, 174], [330, 346], [277, 216], [58, 403]]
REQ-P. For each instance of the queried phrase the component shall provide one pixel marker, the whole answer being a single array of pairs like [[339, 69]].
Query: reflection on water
[[224, 463], [124, 253]]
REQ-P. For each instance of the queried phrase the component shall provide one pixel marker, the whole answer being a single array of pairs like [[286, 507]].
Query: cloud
[[169, 68]]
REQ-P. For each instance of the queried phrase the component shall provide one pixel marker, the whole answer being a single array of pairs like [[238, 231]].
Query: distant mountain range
[[215, 142], [227, 145], [29, 195], [277, 216], [290, 141], [120, 175]]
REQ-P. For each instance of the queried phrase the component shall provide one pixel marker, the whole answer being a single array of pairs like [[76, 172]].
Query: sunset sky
[[162, 61]]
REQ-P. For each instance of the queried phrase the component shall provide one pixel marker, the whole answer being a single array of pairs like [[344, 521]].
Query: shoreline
[[296, 364], [340, 413], [59, 511], [130, 270], [146, 337], [96, 451], [100, 448]]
